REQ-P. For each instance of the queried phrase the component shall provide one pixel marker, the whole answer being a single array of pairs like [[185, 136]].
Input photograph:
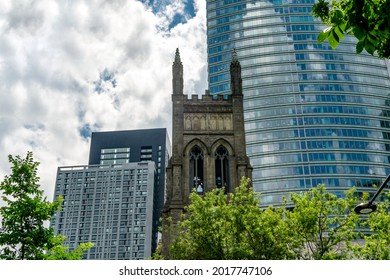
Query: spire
[[177, 74], [235, 75], [177, 56], [234, 56]]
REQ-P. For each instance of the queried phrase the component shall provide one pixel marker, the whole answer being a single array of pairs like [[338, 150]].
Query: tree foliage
[[319, 225], [218, 226], [377, 245], [60, 252], [23, 234], [323, 224], [367, 20]]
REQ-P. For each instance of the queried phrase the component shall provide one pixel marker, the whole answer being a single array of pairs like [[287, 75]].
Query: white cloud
[[52, 54]]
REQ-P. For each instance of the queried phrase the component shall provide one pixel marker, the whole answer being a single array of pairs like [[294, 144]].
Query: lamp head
[[365, 208]]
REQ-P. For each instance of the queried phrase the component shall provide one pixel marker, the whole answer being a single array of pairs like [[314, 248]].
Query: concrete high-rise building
[[110, 206], [118, 147], [116, 201], [312, 114]]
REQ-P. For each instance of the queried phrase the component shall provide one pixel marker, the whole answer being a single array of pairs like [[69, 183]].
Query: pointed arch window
[[222, 168], [196, 169]]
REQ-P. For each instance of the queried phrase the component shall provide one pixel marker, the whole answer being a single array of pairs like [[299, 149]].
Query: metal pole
[[380, 189]]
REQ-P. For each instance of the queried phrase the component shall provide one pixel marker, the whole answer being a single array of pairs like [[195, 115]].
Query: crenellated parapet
[[209, 98]]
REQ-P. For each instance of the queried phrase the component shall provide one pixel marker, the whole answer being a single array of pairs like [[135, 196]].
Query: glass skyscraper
[[312, 114]]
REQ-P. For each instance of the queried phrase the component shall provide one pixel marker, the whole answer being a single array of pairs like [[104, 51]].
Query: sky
[[68, 68]]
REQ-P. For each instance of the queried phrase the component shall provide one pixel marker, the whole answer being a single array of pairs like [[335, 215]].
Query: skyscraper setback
[[312, 114], [116, 201], [119, 147]]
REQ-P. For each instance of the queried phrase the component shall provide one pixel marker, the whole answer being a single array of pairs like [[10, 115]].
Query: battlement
[[209, 98]]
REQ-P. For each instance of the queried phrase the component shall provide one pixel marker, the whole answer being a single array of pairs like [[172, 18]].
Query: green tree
[[23, 234], [376, 246], [322, 225], [220, 226], [157, 254], [367, 20], [60, 252], [317, 225]]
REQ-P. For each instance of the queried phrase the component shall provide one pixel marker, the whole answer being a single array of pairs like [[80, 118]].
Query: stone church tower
[[208, 144]]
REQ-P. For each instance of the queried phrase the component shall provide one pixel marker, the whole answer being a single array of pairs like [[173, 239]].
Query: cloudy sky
[[69, 67]]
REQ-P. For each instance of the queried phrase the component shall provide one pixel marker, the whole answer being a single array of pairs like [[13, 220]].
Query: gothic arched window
[[222, 168], [196, 169]]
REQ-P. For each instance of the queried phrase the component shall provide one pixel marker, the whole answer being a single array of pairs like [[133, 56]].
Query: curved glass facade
[[312, 114]]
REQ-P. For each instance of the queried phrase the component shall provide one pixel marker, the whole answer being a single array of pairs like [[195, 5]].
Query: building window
[[115, 156], [196, 169], [222, 168], [146, 153]]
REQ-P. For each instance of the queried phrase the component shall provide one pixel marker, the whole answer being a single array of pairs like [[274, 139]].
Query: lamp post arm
[[384, 184]]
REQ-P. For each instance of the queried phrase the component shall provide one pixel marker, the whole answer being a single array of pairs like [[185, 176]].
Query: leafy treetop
[[23, 234], [367, 20], [318, 225]]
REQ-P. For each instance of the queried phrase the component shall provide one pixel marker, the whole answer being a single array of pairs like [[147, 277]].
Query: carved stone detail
[[214, 122], [207, 109]]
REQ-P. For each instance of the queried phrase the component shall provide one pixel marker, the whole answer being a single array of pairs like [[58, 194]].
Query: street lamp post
[[369, 207]]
